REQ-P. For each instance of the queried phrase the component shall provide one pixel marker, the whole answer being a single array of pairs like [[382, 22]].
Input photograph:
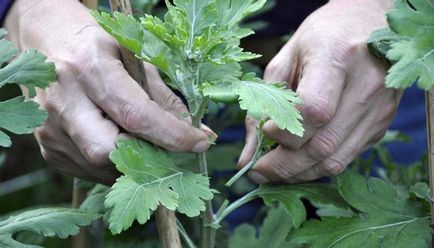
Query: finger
[[282, 68], [250, 143], [52, 138], [320, 89], [95, 137], [337, 162], [164, 96], [65, 165], [129, 106]]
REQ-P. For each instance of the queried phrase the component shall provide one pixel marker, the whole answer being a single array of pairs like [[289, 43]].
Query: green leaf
[[2, 32], [7, 51], [422, 191], [380, 41], [273, 100], [19, 117], [151, 179], [386, 218], [48, 222], [413, 54], [290, 197], [29, 69], [272, 233], [127, 31], [94, 201]]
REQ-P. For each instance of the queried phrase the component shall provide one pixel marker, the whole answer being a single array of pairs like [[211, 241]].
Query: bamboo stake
[[78, 196], [166, 219], [430, 136]]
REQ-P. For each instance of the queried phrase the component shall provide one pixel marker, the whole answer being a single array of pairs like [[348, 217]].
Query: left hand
[[346, 106]]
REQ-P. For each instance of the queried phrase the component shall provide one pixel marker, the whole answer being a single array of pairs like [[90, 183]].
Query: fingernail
[[201, 146], [212, 136], [257, 177]]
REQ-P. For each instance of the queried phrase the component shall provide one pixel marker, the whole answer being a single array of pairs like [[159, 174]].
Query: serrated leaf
[[290, 197], [29, 69], [386, 218], [422, 191], [19, 117], [273, 100], [413, 53], [151, 179], [48, 222], [380, 41], [94, 201], [272, 233], [126, 29]]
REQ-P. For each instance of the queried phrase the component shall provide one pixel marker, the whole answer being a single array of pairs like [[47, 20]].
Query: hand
[[94, 101], [346, 105]]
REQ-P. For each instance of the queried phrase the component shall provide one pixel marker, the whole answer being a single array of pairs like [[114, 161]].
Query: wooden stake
[[430, 135], [166, 219], [78, 196]]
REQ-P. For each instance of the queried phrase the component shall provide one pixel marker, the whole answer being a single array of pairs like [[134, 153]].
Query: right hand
[[94, 101]]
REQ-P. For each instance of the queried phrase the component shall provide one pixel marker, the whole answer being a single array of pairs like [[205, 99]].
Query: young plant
[[196, 46]]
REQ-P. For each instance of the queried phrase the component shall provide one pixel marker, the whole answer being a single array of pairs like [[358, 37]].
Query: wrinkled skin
[[94, 101], [346, 105]]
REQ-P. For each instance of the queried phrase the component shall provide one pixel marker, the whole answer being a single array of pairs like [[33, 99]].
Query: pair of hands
[[95, 102]]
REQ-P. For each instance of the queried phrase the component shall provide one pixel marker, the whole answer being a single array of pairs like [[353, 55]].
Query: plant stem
[[208, 233], [236, 204], [78, 196], [258, 153], [184, 234]]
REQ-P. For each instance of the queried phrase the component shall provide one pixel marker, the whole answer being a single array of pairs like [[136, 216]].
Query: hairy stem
[[222, 213], [258, 153], [208, 233]]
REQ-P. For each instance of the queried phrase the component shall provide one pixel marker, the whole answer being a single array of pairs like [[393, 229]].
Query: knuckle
[[97, 155], [318, 112], [173, 101], [250, 121], [324, 144], [378, 136], [44, 134], [272, 67], [131, 117], [46, 155], [282, 170], [332, 167]]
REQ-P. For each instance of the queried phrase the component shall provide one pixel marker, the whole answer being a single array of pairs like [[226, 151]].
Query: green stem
[[222, 213], [258, 153], [208, 233], [184, 234]]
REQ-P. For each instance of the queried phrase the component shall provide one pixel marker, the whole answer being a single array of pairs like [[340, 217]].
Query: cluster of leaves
[[408, 44], [367, 213], [196, 46]]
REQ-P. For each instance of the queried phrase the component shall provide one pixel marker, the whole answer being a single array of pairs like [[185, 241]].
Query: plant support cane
[[166, 219], [430, 136]]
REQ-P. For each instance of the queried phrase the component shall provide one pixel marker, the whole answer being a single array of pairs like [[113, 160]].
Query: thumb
[[251, 142]]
